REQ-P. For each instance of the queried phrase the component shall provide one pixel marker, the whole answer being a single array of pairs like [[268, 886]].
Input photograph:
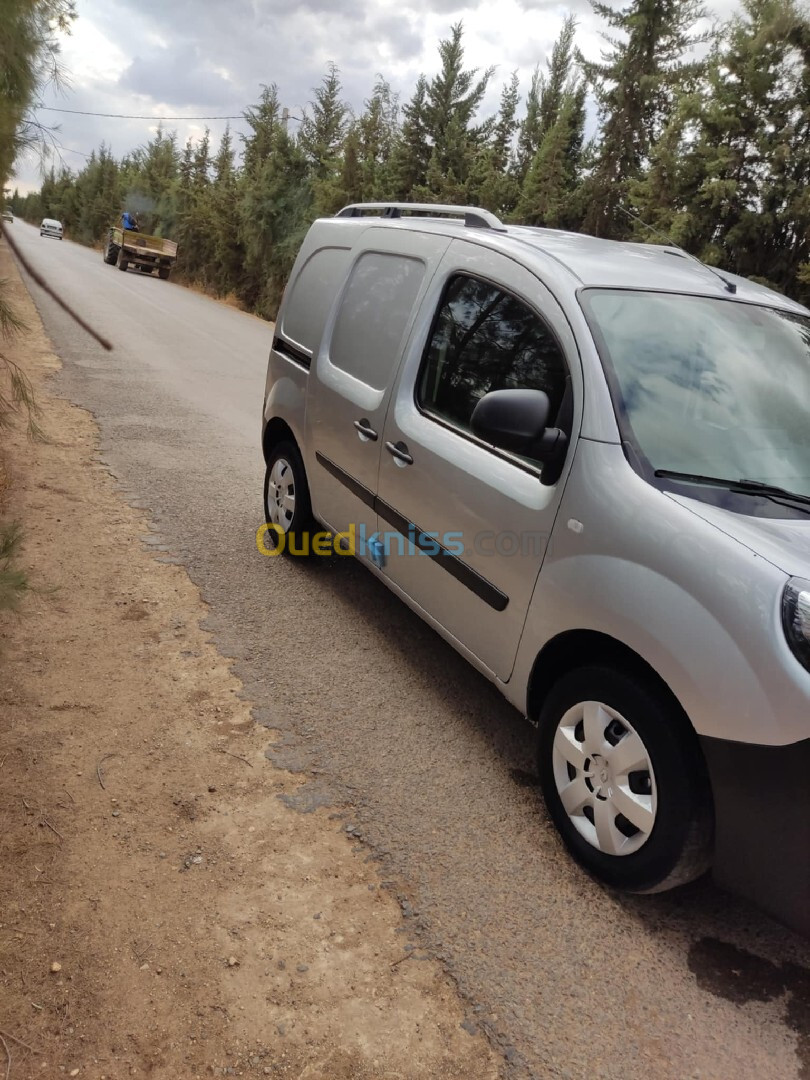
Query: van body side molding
[[364, 494], [430, 546], [426, 544]]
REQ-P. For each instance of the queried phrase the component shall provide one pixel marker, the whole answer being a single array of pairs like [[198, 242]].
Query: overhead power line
[[132, 116]]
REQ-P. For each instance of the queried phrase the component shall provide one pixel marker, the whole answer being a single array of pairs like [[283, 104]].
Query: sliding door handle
[[365, 430], [399, 452]]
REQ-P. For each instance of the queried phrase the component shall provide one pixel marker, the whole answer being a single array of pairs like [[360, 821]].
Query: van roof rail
[[474, 216]]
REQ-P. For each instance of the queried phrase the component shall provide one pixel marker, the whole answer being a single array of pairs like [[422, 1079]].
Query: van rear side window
[[377, 304], [307, 308]]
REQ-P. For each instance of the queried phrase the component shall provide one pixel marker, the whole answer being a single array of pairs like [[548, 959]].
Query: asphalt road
[[382, 716]]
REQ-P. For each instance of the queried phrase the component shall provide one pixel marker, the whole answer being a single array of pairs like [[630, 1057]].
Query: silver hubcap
[[605, 778], [281, 495]]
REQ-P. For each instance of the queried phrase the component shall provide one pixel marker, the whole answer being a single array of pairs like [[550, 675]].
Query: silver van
[[586, 464]]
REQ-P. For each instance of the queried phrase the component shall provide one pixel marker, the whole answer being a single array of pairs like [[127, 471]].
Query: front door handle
[[366, 430], [399, 452]]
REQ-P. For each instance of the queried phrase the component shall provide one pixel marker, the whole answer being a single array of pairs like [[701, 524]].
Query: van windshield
[[709, 387]]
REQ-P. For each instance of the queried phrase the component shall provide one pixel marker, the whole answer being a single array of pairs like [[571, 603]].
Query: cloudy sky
[[209, 57]]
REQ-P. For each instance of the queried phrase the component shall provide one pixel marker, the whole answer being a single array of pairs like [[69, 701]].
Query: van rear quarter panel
[[286, 394], [302, 314]]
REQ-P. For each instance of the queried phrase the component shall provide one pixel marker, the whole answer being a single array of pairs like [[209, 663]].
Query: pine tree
[[275, 206], [452, 100], [636, 87], [377, 133], [351, 182], [558, 90], [530, 134], [264, 120], [491, 182], [323, 130], [547, 191], [556, 87], [553, 132], [747, 207], [410, 158], [226, 250], [506, 125], [201, 169]]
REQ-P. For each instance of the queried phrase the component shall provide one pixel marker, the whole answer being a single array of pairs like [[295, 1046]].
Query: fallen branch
[[219, 750], [5, 1035], [19, 1042], [140, 956], [26, 265], [52, 828], [98, 768], [407, 956]]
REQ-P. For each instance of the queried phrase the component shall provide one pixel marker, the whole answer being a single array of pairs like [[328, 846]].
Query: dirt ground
[[163, 911]]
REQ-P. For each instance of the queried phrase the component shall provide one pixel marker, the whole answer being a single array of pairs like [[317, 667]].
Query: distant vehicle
[[127, 247], [51, 227], [8, 216]]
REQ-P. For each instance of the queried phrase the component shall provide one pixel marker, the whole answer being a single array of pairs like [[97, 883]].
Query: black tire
[[110, 255], [163, 273], [286, 459], [678, 847], [122, 262]]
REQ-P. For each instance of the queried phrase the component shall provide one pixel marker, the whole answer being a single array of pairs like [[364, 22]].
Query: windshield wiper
[[738, 487]]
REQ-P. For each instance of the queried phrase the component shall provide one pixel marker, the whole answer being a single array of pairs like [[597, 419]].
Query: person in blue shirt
[[128, 221]]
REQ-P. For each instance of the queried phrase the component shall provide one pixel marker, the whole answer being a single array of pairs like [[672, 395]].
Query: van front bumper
[[762, 825]]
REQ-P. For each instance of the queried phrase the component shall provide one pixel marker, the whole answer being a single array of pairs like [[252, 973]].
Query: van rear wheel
[[287, 506], [624, 781]]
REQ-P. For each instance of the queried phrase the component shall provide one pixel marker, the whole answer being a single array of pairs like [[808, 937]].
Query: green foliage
[[707, 148], [549, 155], [13, 581], [28, 60], [637, 86]]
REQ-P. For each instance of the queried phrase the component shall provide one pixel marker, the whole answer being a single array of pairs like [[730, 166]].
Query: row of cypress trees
[[701, 137]]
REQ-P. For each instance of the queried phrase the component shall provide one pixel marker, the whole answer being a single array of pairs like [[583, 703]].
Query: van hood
[[784, 542]]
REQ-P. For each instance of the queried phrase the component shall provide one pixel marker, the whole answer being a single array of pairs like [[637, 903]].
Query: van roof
[[587, 260]]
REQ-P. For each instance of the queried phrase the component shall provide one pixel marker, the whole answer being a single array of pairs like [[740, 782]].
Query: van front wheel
[[623, 781], [287, 506]]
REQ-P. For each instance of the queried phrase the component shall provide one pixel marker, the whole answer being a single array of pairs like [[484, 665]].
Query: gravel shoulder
[[166, 908]]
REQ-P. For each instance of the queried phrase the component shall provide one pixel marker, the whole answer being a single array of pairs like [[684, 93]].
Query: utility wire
[[132, 116], [135, 116]]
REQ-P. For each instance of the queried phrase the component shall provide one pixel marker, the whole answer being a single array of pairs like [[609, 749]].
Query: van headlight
[[796, 618]]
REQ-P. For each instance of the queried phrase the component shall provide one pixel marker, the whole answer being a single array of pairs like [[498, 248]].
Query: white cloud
[[205, 57]]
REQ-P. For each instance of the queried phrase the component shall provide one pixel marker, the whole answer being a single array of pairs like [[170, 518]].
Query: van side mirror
[[517, 420]]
